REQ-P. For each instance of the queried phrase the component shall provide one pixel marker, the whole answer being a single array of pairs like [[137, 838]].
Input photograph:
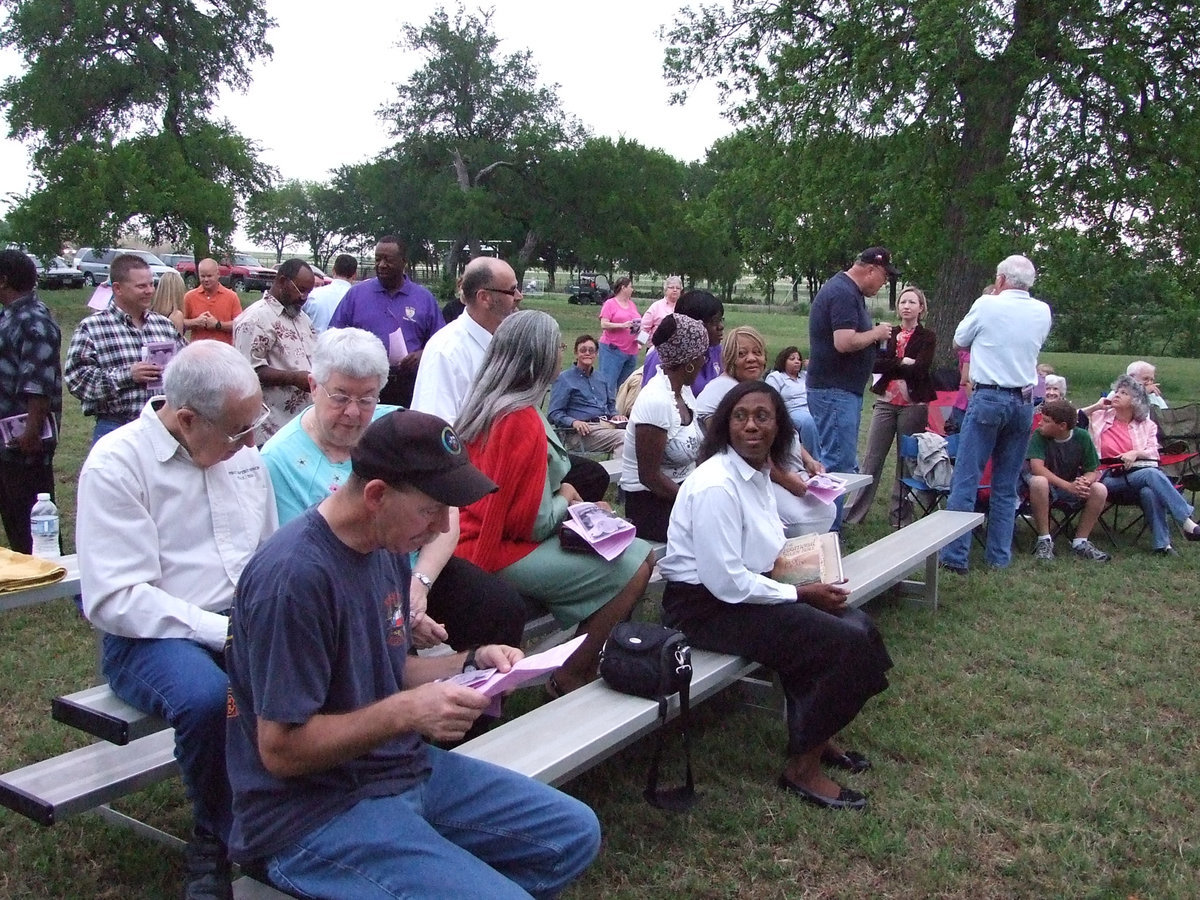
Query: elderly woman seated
[[1122, 430], [514, 532], [724, 532]]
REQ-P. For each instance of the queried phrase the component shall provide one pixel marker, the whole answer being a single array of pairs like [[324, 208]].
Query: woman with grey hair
[[1122, 430], [450, 600], [660, 309], [1056, 388], [514, 532]]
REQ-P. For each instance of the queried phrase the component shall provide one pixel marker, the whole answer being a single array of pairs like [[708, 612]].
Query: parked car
[[242, 272], [320, 279], [590, 288], [57, 275], [94, 263], [173, 259]]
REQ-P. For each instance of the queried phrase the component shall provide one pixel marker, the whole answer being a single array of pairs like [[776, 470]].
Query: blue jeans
[[807, 426], [184, 683], [103, 427], [471, 830], [996, 426], [1158, 499], [837, 413], [614, 366]]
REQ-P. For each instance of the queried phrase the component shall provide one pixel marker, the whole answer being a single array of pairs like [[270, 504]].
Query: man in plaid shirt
[[106, 367]]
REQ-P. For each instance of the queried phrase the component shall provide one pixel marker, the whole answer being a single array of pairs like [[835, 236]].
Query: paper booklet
[[13, 427], [608, 534], [826, 487], [492, 684], [160, 353], [810, 558]]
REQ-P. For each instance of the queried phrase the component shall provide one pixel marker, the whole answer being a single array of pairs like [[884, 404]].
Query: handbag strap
[[680, 798]]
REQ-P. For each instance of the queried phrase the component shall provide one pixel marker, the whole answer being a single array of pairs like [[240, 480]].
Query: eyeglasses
[[512, 292], [240, 436], [296, 288], [761, 416], [587, 350], [341, 401]]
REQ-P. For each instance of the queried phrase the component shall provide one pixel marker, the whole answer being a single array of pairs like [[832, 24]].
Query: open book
[[810, 558]]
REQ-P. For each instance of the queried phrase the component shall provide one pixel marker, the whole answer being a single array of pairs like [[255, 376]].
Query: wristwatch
[[424, 579], [469, 662]]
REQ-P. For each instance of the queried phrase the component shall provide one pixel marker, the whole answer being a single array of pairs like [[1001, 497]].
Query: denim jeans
[[471, 830], [103, 427], [184, 683], [804, 422], [614, 366], [1158, 499], [837, 413], [996, 426]]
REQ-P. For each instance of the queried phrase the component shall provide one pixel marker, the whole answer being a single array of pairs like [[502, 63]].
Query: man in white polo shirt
[[1004, 331]]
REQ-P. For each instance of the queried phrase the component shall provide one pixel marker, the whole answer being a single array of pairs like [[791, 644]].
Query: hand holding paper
[[492, 683]]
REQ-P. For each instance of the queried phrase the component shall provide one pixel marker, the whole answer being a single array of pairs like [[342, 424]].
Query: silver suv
[[94, 263]]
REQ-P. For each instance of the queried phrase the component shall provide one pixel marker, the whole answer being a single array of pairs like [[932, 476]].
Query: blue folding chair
[[914, 489]]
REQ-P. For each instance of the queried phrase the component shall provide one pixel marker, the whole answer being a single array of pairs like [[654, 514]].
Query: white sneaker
[[1085, 549]]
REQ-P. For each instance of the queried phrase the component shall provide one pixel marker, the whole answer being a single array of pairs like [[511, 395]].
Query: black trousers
[[476, 608], [650, 513], [829, 664], [20, 483]]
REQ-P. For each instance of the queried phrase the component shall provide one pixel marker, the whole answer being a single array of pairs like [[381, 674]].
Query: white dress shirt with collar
[[161, 541], [449, 362], [725, 531], [1005, 333]]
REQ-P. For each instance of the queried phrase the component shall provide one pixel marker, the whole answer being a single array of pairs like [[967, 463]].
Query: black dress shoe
[[1192, 535], [1167, 551], [846, 798], [953, 570], [206, 870], [851, 760]]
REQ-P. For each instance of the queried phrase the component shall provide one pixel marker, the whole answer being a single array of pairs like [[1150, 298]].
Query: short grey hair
[[1141, 403], [1138, 366], [1057, 381], [207, 376], [353, 352], [1018, 271], [520, 363], [477, 275], [673, 281]]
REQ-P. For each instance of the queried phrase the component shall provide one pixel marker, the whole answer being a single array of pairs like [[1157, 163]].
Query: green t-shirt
[[1068, 459]]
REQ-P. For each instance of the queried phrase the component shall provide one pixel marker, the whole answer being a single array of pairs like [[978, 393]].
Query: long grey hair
[[521, 362]]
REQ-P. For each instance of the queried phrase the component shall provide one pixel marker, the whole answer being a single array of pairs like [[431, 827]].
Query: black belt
[[996, 387]]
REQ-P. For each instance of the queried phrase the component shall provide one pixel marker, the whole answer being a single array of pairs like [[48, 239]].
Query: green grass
[[1039, 738]]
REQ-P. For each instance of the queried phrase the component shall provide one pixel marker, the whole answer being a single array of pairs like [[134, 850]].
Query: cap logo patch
[[450, 441]]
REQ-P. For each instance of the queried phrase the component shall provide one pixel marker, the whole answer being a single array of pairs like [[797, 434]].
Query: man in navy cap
[[336, 792], [842, 346]]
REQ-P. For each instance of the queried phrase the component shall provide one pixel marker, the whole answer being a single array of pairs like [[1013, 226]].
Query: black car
[[57, 275], [590, 288]]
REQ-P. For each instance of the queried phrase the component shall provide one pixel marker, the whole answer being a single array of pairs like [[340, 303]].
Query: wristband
[[424, 579], [469, 662]]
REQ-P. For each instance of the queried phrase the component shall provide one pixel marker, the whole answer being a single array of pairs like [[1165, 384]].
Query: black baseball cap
[[410, 448], [879, 256]]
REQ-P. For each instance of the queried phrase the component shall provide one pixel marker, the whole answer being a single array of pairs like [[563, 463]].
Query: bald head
[[210, 275], [490, 291]]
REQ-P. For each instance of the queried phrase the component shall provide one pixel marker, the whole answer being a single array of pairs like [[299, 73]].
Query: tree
[[271, 216], [996, 121], [114, 100], [469, 112]]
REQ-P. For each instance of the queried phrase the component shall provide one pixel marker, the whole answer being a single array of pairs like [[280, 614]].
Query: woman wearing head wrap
[[663, 436]]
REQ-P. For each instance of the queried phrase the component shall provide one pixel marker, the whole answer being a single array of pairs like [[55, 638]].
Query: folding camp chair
[[914, 489]]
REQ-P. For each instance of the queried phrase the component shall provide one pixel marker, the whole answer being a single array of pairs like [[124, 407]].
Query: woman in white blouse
[[724, 532], [663, 435]]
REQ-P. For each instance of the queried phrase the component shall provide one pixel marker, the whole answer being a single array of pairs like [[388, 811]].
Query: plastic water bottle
[[43, 523]]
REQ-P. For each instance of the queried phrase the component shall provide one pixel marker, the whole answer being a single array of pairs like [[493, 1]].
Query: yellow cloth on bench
[[19, 572]]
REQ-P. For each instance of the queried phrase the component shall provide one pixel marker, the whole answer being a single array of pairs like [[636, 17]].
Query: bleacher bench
[[552, 743], [67, 587]]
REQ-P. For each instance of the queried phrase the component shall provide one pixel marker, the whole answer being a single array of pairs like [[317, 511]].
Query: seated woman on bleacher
[[1122, 430], [724, 532], [514, 532], [662, 437]]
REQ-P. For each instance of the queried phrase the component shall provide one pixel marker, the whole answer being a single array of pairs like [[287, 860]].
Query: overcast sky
[[337, 63]]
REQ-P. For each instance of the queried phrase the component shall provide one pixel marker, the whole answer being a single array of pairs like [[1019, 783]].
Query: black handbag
[[654, 662]]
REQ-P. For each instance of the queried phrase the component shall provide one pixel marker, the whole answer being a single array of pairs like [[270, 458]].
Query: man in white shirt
[[1004, 331], [1147, 374], [170, 509], [325, 299], [453, 355]]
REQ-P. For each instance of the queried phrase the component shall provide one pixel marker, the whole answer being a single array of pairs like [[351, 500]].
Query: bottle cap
[[43, 496]]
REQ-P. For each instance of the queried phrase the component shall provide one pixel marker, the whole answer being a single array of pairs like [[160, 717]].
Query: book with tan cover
[[810, 558]]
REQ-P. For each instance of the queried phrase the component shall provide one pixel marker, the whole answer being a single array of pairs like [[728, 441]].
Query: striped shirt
[[103, 350]]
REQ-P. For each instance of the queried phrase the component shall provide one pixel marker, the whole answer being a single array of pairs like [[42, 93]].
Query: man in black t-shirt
[[336, 794], [1064, 467]]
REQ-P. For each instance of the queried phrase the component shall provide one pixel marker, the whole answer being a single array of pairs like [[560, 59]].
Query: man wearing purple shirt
[[398, 311]]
